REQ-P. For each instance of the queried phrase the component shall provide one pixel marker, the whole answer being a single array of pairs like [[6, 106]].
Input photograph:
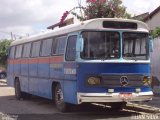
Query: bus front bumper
[[113, 97]]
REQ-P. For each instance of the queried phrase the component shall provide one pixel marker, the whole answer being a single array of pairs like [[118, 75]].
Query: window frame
[[52, 39], [12, 57], [29, 51], [67, 47], [16, 51], [55, 39], [115, 31], [147, 49], [32, 48]]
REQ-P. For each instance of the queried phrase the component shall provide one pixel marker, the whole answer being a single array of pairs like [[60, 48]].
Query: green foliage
[[4, 45], [78, 16], [103, 9], [156, 33]]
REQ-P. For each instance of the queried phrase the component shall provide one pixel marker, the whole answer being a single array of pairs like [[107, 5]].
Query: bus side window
[[12, 52], [46, 47], [26, 50], [18, 51], [35, 49], [59, 45], [71, 48]]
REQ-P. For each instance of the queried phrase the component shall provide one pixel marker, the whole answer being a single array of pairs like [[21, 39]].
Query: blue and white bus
[[104, 60]]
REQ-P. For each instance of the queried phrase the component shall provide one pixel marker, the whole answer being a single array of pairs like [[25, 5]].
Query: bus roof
[[93, 24]]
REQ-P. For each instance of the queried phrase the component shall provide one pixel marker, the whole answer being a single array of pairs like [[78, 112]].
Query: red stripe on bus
[[24, 61], [33, 60], [17, 61], [37, 60], [56, 59], [43, 60]]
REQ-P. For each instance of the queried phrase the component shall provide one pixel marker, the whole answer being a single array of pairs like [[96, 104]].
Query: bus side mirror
[[150, 44], [81, 44]]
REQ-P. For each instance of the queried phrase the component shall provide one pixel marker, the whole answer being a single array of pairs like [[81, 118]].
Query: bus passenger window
[[46, 47], [71, 48], [59, 45], [12, 52], [26, 50], [35, 49], [18, 51]]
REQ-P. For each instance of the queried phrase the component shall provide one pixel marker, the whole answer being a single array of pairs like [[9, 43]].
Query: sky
[[23, 17]]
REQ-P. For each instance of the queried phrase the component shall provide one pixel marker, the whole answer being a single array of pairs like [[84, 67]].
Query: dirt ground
[[38, 108]]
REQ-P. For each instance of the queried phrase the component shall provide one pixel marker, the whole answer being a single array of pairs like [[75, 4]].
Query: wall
[[154, 21], [155, 65]]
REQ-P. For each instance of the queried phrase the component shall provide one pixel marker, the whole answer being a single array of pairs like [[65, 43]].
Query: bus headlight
[[147, 80], [94, 80]]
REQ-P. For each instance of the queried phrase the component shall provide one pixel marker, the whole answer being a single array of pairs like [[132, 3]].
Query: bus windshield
[[101, 45], [135, 46]]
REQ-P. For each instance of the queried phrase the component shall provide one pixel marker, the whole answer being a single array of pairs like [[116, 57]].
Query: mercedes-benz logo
[[124, 81]]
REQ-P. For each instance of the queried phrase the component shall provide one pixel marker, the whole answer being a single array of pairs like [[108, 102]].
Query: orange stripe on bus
[[56, 59], [37, 60]]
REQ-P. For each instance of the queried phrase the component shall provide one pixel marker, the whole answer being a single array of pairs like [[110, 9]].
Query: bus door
[[70, 66]]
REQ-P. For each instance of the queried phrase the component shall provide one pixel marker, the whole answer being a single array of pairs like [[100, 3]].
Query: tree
[[156, 33], [4, 45], [103, 9]]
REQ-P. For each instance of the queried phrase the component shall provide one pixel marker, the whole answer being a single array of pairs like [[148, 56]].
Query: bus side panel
[[10, 71], [24, 83], [70, 91], [40, 87], [44, 84], [24, 67], [56, 67], [43, 87], [43, 68], [24, 75], [17, 67], [33, 78], [70, 83], [33, 86], [33, 65]]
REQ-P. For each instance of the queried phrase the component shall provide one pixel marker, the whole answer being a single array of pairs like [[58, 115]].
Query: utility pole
[[14, 37], [11, 36]]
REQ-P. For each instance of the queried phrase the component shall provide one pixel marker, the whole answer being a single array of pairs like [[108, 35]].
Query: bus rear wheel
[[18, 93], [59, 101]]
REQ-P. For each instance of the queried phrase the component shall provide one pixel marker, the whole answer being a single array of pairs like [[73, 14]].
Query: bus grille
[[115, 80]]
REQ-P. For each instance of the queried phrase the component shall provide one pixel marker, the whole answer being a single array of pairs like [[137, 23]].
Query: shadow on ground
[[82, 112], [38, 108]]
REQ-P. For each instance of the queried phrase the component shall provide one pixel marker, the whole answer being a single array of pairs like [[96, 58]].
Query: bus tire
[[18, 93], [59, 101], [26, 95], [118, 105]]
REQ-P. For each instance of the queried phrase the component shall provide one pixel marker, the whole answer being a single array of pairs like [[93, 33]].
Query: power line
[[10, 33]]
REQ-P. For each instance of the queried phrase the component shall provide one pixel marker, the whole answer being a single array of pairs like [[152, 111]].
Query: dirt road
[[42, 109]]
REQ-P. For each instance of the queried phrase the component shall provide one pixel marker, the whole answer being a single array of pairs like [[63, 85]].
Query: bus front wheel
[[59, 101]]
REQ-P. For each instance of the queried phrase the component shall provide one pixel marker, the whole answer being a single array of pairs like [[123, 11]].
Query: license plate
[[125, 95]]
